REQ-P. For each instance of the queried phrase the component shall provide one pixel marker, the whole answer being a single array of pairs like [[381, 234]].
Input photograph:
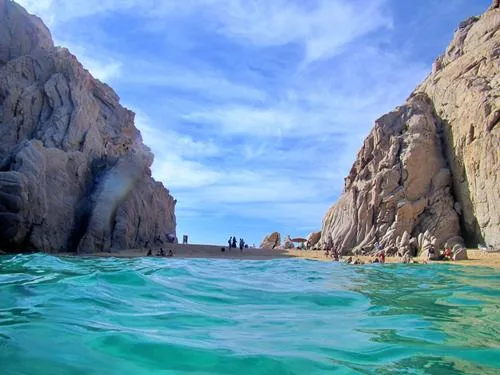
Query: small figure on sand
[[233, 244], [160, 253], [242, 244], [229, 243], [381, 256], [447, 254], [406, 258], [431, 253], [150, 253]]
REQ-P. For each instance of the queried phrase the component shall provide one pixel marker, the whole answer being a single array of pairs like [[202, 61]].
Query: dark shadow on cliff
[[471, 232]]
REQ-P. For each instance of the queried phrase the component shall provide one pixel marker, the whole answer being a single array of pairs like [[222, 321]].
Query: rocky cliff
[[433, 164], [74, 173]]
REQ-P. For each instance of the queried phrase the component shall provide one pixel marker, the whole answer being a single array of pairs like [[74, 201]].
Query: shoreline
[[476, 257]]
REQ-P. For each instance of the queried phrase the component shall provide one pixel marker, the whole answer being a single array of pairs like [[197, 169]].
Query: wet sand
[[201, 251], [476, 257]]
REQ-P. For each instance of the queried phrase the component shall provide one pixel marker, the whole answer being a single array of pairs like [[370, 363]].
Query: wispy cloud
[[103, 67], [323, 26], [206, 82]]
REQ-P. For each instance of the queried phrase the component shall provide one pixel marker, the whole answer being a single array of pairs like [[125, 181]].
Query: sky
[[255, 109]]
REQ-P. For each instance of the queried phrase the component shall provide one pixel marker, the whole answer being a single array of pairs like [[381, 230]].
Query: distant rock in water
[[74, 173], [433, 164]]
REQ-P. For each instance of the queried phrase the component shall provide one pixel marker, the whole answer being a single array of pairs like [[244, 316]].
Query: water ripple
[[65, 315]]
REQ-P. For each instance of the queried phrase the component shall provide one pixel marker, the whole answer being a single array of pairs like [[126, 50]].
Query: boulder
[[313, 238], [460, 253], [271, 241]]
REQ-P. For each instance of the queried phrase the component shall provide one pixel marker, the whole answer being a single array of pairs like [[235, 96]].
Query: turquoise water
[[180, 316]]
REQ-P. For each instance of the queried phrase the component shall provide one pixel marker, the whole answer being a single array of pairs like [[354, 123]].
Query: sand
[[202, 251], [476, 257]]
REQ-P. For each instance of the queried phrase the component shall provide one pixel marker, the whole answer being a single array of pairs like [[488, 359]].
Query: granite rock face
[[465, 91], [74, 173], [432, 165]]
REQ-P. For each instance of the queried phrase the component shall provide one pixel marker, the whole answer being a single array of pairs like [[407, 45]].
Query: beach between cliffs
[[476, 257]]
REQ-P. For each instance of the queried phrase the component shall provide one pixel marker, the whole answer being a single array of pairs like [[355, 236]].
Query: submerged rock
[[74, 173], [433, 164]]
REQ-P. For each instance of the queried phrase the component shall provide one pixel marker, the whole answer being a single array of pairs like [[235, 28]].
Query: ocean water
[[201, 316]]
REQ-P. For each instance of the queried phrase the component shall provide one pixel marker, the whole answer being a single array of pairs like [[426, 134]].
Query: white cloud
[[42, 8], [206, 82], [171, 142], [246, 120], [102, 67], [64, 10], [323, 27], [179, 173]]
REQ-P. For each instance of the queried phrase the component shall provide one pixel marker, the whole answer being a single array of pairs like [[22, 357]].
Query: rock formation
[[74, 173], [313, 238], [271, 241], [433, 164], [465, 91], [288, 244]]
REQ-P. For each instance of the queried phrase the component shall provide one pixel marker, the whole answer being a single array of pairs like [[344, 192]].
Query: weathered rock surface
[[74, 173], [432, 164], [313, 238], [271, 241], [465, 92]]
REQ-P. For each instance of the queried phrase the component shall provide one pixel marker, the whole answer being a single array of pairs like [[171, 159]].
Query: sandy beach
[[476, 257]]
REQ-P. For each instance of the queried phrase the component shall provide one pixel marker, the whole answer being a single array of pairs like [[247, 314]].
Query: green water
[[175, 316]]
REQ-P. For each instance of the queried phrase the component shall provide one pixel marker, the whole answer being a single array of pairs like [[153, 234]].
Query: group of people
[[232, 243], [406, 257], [379, 258], [161, 253], [446, 254]]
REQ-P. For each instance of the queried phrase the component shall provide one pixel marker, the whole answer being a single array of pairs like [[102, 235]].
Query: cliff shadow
[[469, 226]]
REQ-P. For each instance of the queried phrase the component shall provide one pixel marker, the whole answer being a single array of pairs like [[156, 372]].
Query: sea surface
[[205, 316]]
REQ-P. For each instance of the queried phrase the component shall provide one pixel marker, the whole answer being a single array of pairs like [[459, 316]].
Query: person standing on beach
[[234, 242], [229, 242], [381, 256], [242, 243]]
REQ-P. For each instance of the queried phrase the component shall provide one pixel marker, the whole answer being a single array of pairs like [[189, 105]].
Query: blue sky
[[255, 109]]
